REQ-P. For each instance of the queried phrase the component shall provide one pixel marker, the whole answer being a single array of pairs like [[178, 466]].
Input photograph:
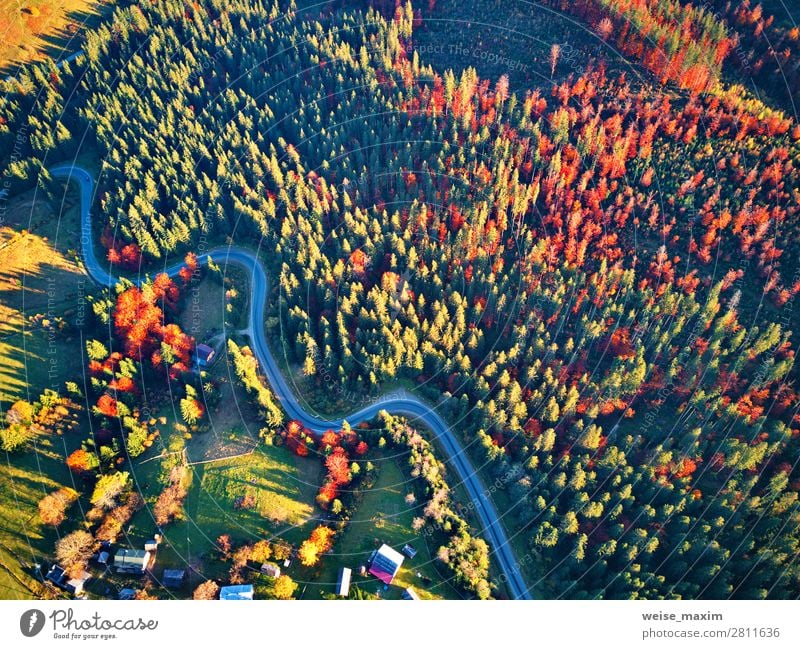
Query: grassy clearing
[[39, 274], [284, 494], [384, 517], [25, 478], [213, 306], [284, 487], [204, 313], [233, 423], [498, 37], [32, 29]]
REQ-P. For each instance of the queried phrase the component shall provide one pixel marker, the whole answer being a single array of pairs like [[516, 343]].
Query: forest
[[593, 279]]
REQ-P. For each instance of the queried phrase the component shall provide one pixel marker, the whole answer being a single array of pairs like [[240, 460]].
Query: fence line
[[226, 457]]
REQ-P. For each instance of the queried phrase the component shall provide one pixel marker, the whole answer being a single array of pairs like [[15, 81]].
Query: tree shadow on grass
[[64, 40]]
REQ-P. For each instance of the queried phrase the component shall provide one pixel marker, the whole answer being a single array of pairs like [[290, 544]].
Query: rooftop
[[204, 352], [236, 591], [271, 569], [343, 582], [131, 559], [410, 593], [56, 574], [127, 593], [173, 577], [409, 551], [76, 585], [385, 563]]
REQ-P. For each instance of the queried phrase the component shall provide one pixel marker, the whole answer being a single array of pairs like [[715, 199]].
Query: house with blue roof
[[236, 592]]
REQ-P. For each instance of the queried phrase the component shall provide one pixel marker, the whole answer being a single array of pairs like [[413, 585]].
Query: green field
[[206, 315], [384, 517], [38, 275], [24, 541], [284, 487]]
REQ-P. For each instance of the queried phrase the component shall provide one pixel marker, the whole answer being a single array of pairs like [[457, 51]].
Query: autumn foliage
[[320, 541], [338, 465], [189, 268], [169, 505], [677, 42], [139, 322], [207, 590], [128, 256], [297, 439], [81, 461], [115, 520], [53, 507]]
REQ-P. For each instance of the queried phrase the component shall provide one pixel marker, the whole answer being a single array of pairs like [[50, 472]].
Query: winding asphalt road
[[399, 402]]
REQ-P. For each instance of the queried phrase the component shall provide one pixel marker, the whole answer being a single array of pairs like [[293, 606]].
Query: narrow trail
[[399, 402]]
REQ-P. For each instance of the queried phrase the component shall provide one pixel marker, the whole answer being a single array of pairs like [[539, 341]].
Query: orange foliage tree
[[320, 541]]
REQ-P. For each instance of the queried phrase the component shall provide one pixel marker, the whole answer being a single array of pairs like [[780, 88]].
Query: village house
[[173, 577], [236, 592], [271, 570], [410, 593], [75, 586], [204, 355], [385, 563], [343, 582], [131, 561]]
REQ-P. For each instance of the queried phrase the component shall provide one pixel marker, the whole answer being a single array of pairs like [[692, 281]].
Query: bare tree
[[555, 53], [74, 550]]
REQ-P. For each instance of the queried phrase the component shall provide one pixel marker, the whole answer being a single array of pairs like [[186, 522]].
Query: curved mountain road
[[400, 402]]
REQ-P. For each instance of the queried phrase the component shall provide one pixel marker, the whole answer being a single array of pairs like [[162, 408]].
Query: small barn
[[236, 592], [204, 355], [410, 593], [173, 577], [385, 563], [56, 575], [270, 569], [77, 585], [410, 551], [131, 561], [343, 582]]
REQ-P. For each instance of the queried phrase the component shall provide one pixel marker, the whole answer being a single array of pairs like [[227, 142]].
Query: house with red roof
[[384, 563]]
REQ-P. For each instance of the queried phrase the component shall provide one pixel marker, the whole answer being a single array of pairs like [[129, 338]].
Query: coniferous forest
[[591, 275]]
